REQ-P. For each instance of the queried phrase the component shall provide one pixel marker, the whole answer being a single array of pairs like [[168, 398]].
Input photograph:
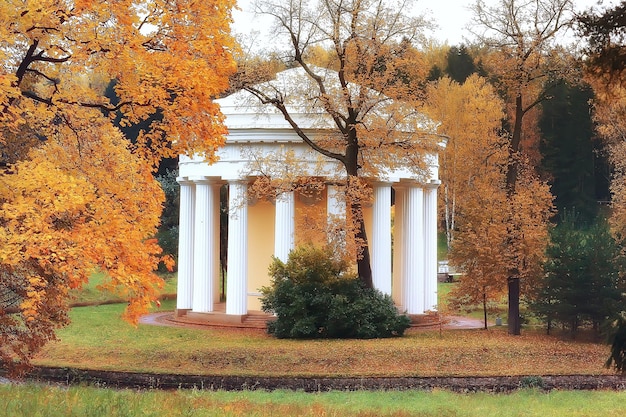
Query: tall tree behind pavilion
[[568, 140], [523, 57], [367, 47]]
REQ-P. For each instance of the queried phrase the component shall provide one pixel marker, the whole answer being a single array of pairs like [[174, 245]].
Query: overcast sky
[[452, 17]]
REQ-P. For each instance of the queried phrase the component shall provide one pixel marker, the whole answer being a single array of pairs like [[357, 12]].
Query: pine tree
[[582, 280]]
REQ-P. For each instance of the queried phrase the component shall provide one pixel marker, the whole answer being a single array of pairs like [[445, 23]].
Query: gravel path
[[166, 319]]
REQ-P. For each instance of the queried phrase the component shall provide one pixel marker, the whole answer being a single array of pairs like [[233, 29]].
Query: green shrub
[[312, 296], [532, 382], [617, 339]]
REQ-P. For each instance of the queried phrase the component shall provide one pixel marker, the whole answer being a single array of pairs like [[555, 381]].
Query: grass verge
[[50, 401]]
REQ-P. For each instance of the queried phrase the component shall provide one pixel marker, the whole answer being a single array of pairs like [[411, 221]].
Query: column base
[[180, 312], [216, 317]]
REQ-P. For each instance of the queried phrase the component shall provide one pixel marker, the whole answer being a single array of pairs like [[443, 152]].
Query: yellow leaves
[[170, 59], [498, 232], [474, 158], [491, 231], [80, 204]]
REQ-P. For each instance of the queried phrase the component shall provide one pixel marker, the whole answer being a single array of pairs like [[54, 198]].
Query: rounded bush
[[313, 297]]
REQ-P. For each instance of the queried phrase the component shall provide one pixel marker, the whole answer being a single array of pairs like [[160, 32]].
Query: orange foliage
[[610, 116], [68, 211], [490, 230], [470, 115], [170, 58], [499, 232], [77, 196]]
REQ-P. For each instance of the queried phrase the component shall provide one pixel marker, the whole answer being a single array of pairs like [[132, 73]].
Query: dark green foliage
[[617, 339], [460, 64], [435, 73], [582, 283], [313, 297], [605, 33], [168, 229], [571, 158]]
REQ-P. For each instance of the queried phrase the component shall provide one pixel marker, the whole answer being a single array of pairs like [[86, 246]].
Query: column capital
[[382, 183], [184, 181], [410, 183], [284, 196], [432, 184], [236, 180], [201, 179]]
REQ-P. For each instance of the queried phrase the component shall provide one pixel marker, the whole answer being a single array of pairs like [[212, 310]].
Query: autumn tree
[[366, 62], [604, 31], [470, 114], [482, 248], [76, 195], [610, 116], [477, 207], [520, 37]]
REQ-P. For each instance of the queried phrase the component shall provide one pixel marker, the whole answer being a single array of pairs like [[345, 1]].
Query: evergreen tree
[[582, 279], [605, 33], [460, 64], [570, 155], [168, 229]]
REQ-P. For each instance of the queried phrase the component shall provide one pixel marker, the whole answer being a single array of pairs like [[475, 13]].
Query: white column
[[381, 237], [204, 259], [284, 230], [237, 280], [185, 245], [430, 248], [398, 246], [216, 242], [414, 250]]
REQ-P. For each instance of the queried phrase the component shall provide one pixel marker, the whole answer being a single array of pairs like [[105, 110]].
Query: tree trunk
[[485, 307], [514, 322], [364, 265]]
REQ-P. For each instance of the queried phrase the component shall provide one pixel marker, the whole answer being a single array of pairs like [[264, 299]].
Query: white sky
[[451, 16]]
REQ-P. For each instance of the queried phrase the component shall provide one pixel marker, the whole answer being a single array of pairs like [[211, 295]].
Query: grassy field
[[91, 293], [98, 339], [49, 401]]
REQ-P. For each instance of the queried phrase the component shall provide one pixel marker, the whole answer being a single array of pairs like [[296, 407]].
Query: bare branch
[[279, 104]]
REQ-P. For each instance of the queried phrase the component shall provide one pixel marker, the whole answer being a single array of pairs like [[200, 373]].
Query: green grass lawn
[[98, 339], [91, 293], [50, 401]]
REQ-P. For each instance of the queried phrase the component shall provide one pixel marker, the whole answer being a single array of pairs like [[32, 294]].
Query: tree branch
[[279, 104]]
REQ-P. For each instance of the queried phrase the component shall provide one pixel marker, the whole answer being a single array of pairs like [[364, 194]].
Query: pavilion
[[261, 228]]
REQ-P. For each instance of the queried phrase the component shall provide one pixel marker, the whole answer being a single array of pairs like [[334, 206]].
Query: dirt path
[[166, 318]]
